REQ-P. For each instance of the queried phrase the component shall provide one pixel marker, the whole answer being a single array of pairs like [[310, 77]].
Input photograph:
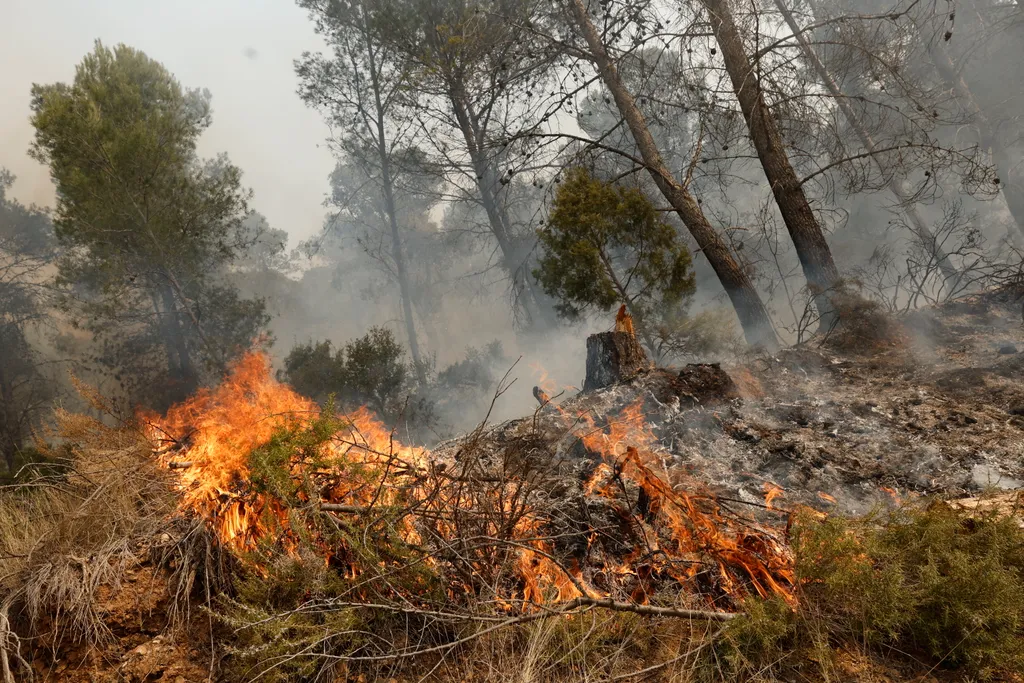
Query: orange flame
[[217, 431], [771, 492], [680, 532]]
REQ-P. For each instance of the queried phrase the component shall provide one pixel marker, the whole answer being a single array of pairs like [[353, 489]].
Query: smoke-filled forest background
[[506, 175]]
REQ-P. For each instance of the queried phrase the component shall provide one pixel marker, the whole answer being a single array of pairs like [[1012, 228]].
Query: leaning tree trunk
[[513, 257], [1012, 192], [757, 326], [813, 251], [918, 226]]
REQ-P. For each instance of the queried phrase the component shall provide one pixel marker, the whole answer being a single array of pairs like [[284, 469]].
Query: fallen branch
[[10, 646], [339, 507], [647, 610], [547, 611]]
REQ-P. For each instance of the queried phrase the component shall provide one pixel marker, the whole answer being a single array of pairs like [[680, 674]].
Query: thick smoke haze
[[420, 200]]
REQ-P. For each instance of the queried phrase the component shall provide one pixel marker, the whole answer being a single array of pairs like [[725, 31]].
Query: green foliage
[[314, 369], [966, 576], [757, 643], [475, 369], [605, 245], [861, 597], [274, 466], [369, 371], [26, 246], [147, 228], [375, 371], [292, 608], [933, 582]]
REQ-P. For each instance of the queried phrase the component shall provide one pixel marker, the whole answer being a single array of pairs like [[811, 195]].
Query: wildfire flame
[[680, 533], [771, 492]]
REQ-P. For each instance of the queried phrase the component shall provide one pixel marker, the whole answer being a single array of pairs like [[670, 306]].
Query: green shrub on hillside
[[933, 582]]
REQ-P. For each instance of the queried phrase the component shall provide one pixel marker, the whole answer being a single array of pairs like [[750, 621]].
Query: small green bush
[[758, 643], [938, 583], [369, 371], [966, 576]]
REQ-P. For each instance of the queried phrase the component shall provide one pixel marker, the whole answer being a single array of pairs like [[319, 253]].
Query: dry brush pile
[[309, 545]]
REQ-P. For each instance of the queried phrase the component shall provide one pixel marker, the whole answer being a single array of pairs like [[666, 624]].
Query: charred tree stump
[[613, 357]]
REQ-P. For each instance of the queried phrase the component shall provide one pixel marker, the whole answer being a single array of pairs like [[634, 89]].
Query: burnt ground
[[936, 408]]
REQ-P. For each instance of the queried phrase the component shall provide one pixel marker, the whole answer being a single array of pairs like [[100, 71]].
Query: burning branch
[[497, 526]]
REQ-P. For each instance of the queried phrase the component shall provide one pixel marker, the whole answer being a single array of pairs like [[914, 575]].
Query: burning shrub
[[337, 521]]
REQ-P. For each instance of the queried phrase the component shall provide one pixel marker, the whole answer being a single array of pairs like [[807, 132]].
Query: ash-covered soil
[[936, 409]]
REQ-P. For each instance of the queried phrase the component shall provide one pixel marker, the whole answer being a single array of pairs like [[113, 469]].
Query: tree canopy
[[605, 245], [146, 226]]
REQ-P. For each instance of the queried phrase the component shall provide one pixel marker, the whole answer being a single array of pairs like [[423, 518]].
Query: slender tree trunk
[[1012, 191], [757, 326], [178, 344], [641, 326], [918, 226], [166, 331], [513, 255], [390, 208], [811, 248]]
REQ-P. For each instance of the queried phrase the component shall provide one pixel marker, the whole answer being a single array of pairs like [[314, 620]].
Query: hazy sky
[[241, 50]]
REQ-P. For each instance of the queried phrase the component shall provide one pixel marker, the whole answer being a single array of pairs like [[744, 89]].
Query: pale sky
[[241, 50]]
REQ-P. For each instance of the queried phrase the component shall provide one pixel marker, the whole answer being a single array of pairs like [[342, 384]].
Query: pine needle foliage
[[942, 585], [605, 245]]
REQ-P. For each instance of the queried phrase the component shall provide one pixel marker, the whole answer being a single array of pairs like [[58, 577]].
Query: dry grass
[[66, 534]]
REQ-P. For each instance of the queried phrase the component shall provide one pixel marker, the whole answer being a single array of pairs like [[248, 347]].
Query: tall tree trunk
[[1012, 191], [166, 331], [387, 180], [917, 224], [757, 326], [513, 254], [811, 248], [186, 373]]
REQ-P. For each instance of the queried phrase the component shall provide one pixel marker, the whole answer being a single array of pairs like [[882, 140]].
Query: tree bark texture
[[177, 342], [813, 251], [917, 224], [613, 357], [10, 427], [757, 326]]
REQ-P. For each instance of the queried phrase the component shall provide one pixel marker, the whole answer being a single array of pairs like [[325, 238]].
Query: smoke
[[243, 53]]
